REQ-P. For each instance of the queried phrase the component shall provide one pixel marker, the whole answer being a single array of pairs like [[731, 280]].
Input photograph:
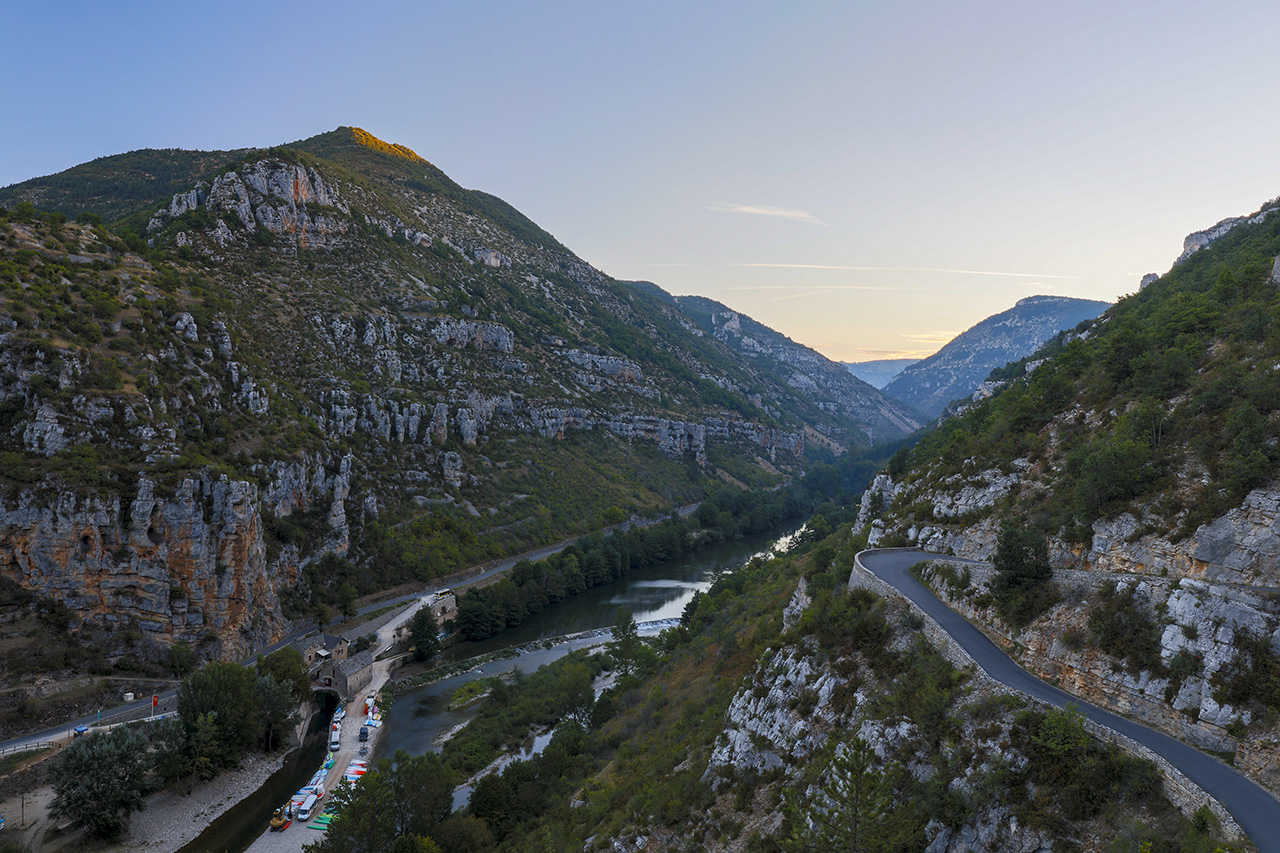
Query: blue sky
[[868, 178]]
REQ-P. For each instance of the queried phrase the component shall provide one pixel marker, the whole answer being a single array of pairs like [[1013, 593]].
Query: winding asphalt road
[[1257, 811]]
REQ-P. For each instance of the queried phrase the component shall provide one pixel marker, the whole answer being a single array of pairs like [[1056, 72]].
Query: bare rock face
[[1197, 240], [996, 829], [764, 730], [877, 497], [1202, 622], [287, 200], [476, 334], [1242, 546], [451, 469], [191, 566], [971, 495]]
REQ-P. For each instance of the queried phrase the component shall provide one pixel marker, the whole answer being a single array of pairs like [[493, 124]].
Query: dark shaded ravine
[[1256, 810]]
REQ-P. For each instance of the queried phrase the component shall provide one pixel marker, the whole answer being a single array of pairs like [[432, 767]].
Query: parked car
[[364, 733]]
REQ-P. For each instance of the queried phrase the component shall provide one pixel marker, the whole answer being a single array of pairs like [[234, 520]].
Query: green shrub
[[1122, 628], [1023, 584]]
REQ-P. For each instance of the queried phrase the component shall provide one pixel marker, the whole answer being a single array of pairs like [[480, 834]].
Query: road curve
[[1256, 810]]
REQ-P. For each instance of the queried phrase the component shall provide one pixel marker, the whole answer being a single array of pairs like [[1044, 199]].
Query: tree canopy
[[404, 797], [425, 633], [1023, 584], [100, 780]]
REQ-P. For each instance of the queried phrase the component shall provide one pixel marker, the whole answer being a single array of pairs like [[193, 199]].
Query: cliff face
[[832, 386], [188, 566], [1206, 596], [1199, 624]]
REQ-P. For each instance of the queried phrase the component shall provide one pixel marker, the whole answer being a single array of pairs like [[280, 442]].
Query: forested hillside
[[258, 383], [1137, 456]]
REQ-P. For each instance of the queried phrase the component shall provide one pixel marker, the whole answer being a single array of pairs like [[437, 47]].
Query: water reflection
[[421, 715]]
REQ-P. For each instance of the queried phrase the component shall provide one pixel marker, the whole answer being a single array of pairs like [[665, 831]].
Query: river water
[[659, 592], [420, 715]]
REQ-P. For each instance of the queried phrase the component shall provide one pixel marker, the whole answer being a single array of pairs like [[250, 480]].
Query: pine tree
[[625, 646], [855, 808], [425, 634]]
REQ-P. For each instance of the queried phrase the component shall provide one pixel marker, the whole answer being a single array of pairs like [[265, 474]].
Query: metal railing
[[28, 747]]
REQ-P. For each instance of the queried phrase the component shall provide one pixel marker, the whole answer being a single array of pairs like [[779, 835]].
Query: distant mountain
[[958, 368], [879, 372], [833, 388]]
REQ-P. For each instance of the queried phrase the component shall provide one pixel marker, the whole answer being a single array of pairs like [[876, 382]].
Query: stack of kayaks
[[321, 822], [317, 781], [357, 768]]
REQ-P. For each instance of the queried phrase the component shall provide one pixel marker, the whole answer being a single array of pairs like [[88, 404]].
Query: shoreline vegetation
[[591, 561]]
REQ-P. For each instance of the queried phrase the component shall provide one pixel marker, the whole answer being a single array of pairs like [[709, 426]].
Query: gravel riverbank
[[171, 820]]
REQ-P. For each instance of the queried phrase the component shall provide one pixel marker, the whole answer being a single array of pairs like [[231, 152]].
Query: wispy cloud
[[793, 292], [931, 337], [879, 354], [905, 269], [767, 210]]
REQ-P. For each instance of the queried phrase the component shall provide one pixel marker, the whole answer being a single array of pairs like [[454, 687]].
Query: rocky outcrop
[[876, 498], [1201, 623], [1197, 240], [1181, 791], [805, 369], [287, 200], [621, 369], [964, 496], [1242, 546], [473, 333], [189, 566], [802, 704]]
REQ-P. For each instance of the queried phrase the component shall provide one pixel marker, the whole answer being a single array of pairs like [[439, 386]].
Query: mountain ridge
[[960, 366], [327, 366]]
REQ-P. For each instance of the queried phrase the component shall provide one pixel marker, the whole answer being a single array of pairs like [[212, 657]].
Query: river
[[659, 592], [420, 715]]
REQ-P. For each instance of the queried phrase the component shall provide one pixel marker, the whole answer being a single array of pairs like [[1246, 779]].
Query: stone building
[[320, 649]]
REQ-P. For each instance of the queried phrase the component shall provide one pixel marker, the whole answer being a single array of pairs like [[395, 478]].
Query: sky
[[869, 178]]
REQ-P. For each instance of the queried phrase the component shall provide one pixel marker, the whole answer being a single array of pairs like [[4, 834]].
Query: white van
[[304, 811], [335, 737]]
